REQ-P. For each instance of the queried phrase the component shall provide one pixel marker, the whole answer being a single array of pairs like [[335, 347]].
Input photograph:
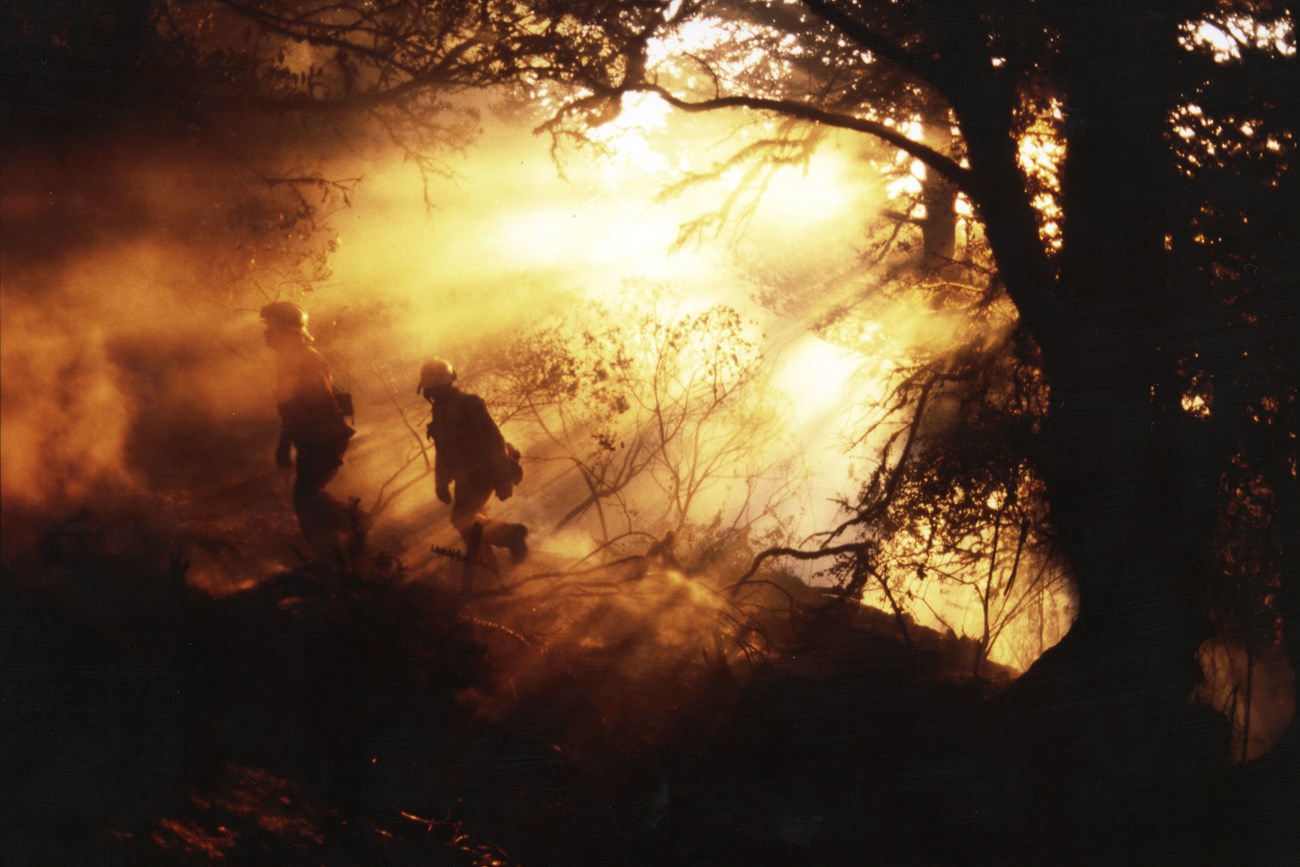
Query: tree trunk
[[1132, 496], [1132, 493]]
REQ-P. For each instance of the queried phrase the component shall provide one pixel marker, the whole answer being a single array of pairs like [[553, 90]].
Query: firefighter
[[473, 456], [312, 425]]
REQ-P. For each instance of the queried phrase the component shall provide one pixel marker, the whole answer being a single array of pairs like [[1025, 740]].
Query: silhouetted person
[[471, 455], [312, 425]]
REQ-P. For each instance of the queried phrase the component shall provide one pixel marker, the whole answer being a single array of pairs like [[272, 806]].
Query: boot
[[473, 543], [517, 543], [513, 537]]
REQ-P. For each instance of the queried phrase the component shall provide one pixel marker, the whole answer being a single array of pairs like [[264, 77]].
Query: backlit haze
[[135, 376]]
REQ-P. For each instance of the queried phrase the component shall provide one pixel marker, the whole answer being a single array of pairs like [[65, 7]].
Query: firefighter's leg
[[473, 536], [359, 524], [318, 516], [478, 490], [325, 522], [350, 521], [513, 537], [468, 518]]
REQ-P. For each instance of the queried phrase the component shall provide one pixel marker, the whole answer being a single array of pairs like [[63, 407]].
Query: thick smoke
[[131, 370], [115, 326], [133, 270]]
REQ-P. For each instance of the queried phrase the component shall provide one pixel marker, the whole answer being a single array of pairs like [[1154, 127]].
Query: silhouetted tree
[[955, 500]]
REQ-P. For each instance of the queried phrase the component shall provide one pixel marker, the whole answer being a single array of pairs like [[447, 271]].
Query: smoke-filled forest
[[697, 432]]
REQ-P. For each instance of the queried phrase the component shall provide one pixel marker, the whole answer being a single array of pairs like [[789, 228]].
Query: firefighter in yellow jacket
[[472, 457], [312, 425]]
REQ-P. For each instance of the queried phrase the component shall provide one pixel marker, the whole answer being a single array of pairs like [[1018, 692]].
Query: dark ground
[[146, 723]]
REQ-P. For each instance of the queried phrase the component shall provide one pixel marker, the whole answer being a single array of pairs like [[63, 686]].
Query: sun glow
[[821, 191], [627, 138], [813, 375]]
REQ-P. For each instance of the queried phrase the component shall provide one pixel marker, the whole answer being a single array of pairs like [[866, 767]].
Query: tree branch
[[795, 553], [945, 166]]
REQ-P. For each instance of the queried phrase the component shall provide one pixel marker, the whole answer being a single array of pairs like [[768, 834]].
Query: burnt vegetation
[[1101, 211]]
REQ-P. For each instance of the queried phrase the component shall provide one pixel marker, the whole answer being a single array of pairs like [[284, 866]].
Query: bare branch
[[944, 165]]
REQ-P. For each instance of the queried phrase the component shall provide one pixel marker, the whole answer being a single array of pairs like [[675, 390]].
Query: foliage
[[662, 412], [956, 501]]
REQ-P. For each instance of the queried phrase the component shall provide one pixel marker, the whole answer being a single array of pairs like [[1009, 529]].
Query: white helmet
[[434, 374]]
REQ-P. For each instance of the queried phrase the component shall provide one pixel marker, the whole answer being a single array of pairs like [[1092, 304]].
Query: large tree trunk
[[1132, 495]]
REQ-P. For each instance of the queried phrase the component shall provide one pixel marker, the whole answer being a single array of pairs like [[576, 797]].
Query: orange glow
[[156, 327], [813, 374], [1196, 405], [1040, 152]]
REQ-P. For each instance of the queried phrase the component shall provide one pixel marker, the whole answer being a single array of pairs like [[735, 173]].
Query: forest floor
[[630, 717]]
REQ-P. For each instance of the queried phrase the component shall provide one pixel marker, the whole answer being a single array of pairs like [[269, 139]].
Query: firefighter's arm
[[282, 457], [441, 479], [441, 476]]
